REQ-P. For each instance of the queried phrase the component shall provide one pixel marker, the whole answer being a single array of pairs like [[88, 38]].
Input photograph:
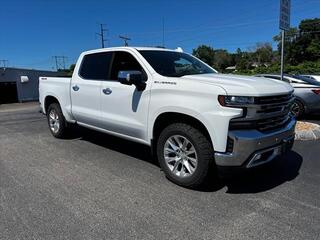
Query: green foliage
[[302, 53], [204, 53], [69, 71], [219, 59], [302, 43], [308, 67], [222, 59], [263, 53]]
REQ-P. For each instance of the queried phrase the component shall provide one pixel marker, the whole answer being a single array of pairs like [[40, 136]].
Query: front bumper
[[252, 148]]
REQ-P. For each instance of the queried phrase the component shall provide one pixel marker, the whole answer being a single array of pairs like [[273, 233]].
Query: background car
[[306, 91], [314, 77]]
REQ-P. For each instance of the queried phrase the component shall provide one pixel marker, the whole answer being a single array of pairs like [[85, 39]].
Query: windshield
[[175, 64], [307, 80]]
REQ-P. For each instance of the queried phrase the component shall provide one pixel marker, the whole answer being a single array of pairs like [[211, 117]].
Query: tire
[[56, 121], [174, 161], [297, 109]]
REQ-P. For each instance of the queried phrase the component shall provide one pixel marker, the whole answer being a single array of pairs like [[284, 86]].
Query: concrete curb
[[313, 134]]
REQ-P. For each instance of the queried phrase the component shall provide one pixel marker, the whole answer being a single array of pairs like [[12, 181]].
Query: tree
[[263, 53], [302, 53], [244, 62], [69, 71], [302, 43], [222, 59], [205, 53]]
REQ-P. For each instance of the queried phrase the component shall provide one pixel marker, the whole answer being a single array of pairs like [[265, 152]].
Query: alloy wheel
[[296, 109], [180, 156], [54, 121]]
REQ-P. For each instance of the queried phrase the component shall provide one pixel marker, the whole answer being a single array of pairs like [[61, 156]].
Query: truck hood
[[243, 85]]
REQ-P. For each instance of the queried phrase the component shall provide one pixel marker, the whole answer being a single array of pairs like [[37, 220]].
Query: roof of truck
[[134, 48], [154, 49]]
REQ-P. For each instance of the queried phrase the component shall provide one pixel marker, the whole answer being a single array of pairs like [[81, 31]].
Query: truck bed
[[58, 87]]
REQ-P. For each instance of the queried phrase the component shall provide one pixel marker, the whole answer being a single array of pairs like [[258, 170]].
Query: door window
[[96, 66], [124, 61]]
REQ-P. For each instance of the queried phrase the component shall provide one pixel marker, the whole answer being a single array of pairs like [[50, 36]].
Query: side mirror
[[132, 77]]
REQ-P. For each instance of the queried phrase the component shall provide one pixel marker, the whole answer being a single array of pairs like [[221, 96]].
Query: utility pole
[[4, 63], [101, 34], [60, 62], [282, 53], [284, 25], [126, 39]]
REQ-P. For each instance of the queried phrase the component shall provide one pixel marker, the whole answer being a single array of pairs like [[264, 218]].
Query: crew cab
[[194, 119]]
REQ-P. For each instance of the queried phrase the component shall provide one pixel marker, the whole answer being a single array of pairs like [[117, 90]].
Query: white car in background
[[314, 77], [306, 92]]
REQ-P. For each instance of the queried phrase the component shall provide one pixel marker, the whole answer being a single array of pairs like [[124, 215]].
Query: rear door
[[86, 88]]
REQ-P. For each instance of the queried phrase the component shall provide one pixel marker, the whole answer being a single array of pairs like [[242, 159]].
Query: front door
[[124, 110]]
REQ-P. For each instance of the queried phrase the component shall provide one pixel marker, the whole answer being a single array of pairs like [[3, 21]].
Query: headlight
[[235, 100]]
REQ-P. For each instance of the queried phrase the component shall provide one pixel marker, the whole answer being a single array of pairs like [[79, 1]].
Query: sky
[[33, 31]]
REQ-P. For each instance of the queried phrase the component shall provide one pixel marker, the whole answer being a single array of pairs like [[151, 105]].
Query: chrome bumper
[[252, 148]]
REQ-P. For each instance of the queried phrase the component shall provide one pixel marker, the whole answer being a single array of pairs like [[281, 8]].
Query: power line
[[200, 30], [125, 39], [60, 62], [212, 28], [101, 34], [207, 27], [4, 63]]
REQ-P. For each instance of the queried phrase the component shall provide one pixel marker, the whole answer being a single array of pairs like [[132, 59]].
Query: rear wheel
[[185, 155], [297, 109], [56, 121]]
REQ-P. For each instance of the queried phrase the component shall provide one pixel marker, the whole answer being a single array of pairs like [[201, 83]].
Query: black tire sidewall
[[62, 129]]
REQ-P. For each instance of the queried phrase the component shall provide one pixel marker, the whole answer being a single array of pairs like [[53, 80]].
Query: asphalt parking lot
[[93, 186]]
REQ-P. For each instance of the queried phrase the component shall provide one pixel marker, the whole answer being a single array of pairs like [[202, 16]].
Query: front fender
[[215, 122]]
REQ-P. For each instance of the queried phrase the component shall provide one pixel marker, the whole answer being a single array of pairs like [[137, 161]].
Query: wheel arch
[[49, 99], [300, 99], [164, 119]]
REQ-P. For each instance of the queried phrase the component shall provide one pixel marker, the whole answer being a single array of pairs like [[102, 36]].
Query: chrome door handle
[[107, 91], [75, 88]]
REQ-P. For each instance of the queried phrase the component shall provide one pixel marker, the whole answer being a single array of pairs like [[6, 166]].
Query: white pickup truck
[[195, 119]]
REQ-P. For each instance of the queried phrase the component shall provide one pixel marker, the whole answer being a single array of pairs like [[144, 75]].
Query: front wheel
[[56, 121], [185, 155], [297, 109]]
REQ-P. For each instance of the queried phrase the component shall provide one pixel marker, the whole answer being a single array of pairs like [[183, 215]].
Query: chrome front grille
[[273, 123], [266, 114], [274, 103], [273, 99]]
